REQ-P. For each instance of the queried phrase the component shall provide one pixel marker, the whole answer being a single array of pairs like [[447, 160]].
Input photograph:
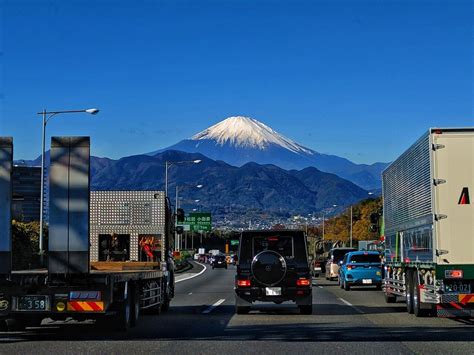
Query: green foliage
[[337, 228], [26, 245]]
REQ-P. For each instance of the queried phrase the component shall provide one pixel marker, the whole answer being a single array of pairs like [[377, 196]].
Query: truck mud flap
[[454, 310]]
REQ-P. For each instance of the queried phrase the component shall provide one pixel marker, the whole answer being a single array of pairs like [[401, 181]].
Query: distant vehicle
[[429, 224], [273, 267], [219, 261], [316, 268], [335, 257], [361, 268]]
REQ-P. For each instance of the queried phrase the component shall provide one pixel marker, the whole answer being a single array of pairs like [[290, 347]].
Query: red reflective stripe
[[76, 306], [467, 298], [455, 305], [94, 306]]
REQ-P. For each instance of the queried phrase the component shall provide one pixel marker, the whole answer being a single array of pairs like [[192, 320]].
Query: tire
[[124, 309], [242, 309], [306, 309], [347, 287], [419, 312], [268, 267], [165, 307], [135, 306], [409, 291]]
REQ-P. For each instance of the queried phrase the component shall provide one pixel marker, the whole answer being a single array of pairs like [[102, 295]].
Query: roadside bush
[[25, 245]]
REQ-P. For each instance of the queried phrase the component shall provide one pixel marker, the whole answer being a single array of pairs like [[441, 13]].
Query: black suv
[[273, 267], [219, 261]]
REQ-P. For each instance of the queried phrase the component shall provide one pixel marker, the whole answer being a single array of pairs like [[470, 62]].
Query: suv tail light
[[243, 283], [303, 282], [350, 267]]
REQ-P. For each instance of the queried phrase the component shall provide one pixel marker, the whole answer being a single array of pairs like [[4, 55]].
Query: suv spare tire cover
[[268, 267]]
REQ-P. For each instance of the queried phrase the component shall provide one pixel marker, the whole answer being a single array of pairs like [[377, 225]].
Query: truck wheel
[[135, 306], [242, 309], [124, 316], [419, 312], [409, 291], [306, 309]]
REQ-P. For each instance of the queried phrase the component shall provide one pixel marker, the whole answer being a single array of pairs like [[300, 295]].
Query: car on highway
[[219, 261], [273, 267], [335, 257], [361, 268], [316, 267]]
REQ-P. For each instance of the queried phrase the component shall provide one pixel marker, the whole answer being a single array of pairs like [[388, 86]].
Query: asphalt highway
[[202, 320]]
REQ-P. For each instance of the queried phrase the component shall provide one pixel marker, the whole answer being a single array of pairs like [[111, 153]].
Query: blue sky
[[357, 79]]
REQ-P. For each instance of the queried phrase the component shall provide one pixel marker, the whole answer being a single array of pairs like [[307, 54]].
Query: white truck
[[429, 224]]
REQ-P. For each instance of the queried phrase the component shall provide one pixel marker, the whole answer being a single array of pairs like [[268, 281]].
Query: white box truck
[[429, 224]]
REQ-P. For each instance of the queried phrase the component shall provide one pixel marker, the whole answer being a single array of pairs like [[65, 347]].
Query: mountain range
[[239, 140]]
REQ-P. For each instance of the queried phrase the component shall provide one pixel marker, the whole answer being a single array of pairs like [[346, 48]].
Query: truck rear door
[[453, 170]]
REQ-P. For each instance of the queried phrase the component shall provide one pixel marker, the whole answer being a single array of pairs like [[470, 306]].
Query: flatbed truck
[[429, 225], [113, 293]]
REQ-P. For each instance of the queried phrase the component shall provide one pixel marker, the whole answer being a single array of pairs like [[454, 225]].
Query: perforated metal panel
[[407, 188], [127, 212]]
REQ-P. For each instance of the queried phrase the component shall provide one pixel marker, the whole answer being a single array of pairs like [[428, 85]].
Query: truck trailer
[[429, 224], [82, 279]]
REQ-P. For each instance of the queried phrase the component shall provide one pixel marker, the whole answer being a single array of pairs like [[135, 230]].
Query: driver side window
[[344, 260]]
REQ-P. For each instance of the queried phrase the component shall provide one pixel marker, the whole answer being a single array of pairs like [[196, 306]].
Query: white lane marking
[[211, 308], [320, 286], [190, 293], [192, 277], [350, 305]]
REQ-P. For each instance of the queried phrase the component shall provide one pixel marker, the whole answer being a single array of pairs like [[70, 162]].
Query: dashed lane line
[[211, 308], [347, 303]]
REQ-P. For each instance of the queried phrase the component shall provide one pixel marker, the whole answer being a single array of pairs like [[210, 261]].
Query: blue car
[[361, 268]]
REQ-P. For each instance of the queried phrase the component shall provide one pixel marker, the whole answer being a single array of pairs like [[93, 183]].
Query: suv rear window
[[365, 258], [283, 245]]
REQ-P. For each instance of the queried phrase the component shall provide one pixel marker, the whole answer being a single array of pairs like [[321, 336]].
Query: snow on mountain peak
[[246, 132]]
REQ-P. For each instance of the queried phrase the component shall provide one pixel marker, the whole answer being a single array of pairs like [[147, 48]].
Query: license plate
[[457, 287], [366, 281], [273, 291], [33, 303]]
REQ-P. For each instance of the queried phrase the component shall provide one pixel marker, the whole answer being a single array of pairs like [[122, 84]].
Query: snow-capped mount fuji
[[246, 132], [239, 140]]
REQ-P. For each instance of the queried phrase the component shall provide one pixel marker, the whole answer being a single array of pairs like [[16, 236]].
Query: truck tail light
[[453, 274], [303, 282], [243, 283]]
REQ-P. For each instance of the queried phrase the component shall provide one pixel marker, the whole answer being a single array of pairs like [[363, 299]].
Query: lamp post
[[169, 164], [47, 115], [177, 239]]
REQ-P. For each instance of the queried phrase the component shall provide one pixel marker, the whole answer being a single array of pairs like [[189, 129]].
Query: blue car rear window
[[365, 258]]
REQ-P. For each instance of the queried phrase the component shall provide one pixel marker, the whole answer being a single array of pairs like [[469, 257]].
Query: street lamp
[[47, 115], [177, 241], [169, 164]]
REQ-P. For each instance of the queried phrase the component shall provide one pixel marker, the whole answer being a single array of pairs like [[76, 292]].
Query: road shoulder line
[[193, 276]]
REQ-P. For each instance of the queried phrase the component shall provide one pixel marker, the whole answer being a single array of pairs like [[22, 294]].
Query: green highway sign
[[199, 221], [234, 242]]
